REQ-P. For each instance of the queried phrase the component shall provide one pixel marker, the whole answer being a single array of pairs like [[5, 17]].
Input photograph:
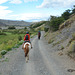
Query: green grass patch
[[12, 39]]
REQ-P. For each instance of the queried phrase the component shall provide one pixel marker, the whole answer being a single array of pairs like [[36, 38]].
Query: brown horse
[[26, 50]]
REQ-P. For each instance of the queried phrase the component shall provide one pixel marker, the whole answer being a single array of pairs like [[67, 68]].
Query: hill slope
[[63, 39], [14, 23]]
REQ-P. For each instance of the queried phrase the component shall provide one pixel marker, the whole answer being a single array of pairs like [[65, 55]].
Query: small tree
[[66, 14], [11, 27], [73, 10], [55, 22]]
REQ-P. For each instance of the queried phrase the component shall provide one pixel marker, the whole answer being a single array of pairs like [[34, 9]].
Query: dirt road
[[41, 61]]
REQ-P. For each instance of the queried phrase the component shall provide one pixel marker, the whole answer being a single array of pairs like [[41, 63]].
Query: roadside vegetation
[[60, 32], [54, 21], [12, 38]]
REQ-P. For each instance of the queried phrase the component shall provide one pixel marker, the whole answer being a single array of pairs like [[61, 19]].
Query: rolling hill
[[14, 23]]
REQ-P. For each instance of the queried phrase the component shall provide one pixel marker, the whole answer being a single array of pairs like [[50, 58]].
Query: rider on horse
[[39, 34], [26, 45], [27, 38]]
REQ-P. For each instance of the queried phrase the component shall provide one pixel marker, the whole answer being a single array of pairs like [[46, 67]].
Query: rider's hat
[[27, 32]]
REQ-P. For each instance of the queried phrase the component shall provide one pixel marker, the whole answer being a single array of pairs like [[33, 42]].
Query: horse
[[39, 37], [26, 47]]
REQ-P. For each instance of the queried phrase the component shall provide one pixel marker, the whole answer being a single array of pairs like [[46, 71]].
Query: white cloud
[[4, 11], [11, 1], [29, 16], [3, 1], [56, 3], [16, 1], [33, 16], [29, 0]]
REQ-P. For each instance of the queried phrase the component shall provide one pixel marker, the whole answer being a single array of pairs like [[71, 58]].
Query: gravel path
[[42, 61]]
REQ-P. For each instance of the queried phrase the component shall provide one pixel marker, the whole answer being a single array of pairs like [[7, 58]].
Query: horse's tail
[[27, 49]]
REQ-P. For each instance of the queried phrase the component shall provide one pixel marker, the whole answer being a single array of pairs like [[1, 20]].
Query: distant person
[[39, 35], [27, 38]]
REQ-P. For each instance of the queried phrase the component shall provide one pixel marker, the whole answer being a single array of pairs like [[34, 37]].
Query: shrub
[[1, 33], [19, 38], [46, 29], [11, 27], [62, 47], [55, 22], [3, 52], [66, 14], [25, 28], [8, 48], [72, 47]]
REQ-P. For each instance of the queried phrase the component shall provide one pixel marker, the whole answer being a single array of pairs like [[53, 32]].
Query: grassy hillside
[[38, 25], [63, 40], [68, 22]]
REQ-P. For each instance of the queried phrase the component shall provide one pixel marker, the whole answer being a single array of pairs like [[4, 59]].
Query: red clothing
[[28, 37]]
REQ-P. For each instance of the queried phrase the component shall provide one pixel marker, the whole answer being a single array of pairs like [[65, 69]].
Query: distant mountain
[[14, 23], [2, 24]]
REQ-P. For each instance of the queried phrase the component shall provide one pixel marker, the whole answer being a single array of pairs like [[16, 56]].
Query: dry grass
[[72, 48], [67, 22], [52, 36]]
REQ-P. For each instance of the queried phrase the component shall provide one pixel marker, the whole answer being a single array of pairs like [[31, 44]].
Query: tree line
[[54, 21]]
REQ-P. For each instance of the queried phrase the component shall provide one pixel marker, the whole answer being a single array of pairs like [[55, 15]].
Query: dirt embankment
[[62, 42], [64, 39]]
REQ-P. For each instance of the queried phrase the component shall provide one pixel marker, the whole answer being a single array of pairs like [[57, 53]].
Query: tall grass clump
[[72, 47]]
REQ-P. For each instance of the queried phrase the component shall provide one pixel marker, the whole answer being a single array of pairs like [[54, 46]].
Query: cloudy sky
[[33, 10]]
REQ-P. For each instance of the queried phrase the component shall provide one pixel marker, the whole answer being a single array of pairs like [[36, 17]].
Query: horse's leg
[[26, 59], [23, 46], [39, 37], [28, 55]]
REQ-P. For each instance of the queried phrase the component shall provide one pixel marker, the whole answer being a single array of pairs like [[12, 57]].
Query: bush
[[46, 29], [11, 27], [66, 14], [9, 49], [19, 38], [3, 52], [1, 33], [25, 28], [55, 22]]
